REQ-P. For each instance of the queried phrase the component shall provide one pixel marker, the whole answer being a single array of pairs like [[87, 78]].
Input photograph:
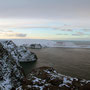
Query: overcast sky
[[18, 15]]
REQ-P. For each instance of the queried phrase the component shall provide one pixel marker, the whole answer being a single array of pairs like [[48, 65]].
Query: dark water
[[68, 61]]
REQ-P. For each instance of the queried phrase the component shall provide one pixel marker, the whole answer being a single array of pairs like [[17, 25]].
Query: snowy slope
[[10, 71], [48, 43], [43, 42], [71, 45], [21, 53], [67, 44]]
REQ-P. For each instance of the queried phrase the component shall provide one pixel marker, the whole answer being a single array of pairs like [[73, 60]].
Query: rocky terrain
[[46, 78], [11, 73], [28, 42], [12, 76], [19, 53]]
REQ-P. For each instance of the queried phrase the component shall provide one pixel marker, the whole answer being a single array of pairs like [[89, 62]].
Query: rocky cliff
[[11, 74], [19, 53]]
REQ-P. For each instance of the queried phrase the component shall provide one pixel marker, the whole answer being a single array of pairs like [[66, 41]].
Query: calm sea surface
[[68, 61]]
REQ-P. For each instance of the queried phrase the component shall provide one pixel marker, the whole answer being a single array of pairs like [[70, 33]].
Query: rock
[[20, 54], [85, 87], [35, 46], [25, 55], [11, 74], [46, 78]]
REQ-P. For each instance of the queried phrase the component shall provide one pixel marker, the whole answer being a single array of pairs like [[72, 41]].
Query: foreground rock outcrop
[[11, 74], [20, 53], [46, 78]]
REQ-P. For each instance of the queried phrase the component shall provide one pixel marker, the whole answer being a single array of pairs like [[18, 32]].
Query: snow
[[48, 43], [69, 44], [19, 88], [52, 76], [19, 53], [10, 70], [25, 55], [6, 85], [28, 42], [66, 81], [36, 79], [43, 42]]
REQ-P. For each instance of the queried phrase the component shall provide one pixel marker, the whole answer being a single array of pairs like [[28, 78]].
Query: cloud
[[70, 30], [56, 9], [20, 35], [11, 34], [59, 34], [79, 34], [75, 35], [62, 34], [15, 35], [86, 29]]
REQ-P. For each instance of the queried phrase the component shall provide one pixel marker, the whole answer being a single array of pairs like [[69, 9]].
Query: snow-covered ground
[[43, 42], [49, 43], [66, 44], [19, 53], [72, 45]]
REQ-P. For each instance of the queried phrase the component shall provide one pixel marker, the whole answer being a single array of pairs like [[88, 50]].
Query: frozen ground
[[51, 43], [43, 42], [73, 44]]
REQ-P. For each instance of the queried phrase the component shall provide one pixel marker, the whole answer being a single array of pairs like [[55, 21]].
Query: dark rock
[[56, 81], [35, 46], [20, 54], [46, 78], [66, 88], [11, 74], [85, 87], [51, 87]]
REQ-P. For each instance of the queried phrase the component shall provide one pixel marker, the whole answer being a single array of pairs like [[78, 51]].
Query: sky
[[45, 19]]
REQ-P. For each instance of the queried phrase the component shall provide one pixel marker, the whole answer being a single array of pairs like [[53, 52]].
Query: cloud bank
[[11, 34]]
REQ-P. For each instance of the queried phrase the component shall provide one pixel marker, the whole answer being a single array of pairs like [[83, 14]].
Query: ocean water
[[73, 62]]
